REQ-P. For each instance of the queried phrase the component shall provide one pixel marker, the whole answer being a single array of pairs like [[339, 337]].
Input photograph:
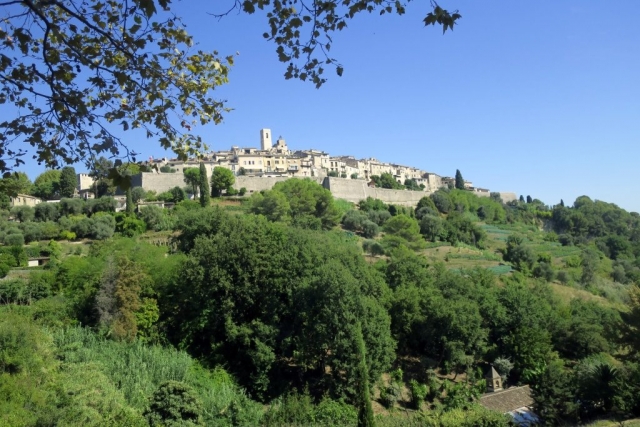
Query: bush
[[418, 393], [563, 277], [353, 220], [46, 212], [4, 269], [71, 206], [379, 217], [370, 229], [155, 218], [544, 270], [442, 201], [23, 213], [67, 235], [242, 191], [32, 232], [373, 247], [138, 194], [129, 226], [174, 404], [14, 240]]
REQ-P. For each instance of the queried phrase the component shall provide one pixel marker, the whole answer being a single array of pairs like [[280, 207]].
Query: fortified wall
[[505, 196], [255, 184], [354, 190], [158, 182]]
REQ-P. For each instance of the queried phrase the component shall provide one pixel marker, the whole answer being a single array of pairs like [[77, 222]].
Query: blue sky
[[539, 98]]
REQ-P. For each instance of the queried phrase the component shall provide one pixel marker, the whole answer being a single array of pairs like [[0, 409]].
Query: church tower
[[265, 139], [494, 381]]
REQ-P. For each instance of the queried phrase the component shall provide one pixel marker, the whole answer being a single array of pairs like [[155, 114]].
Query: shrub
[[14, 240], [418, 393], [442, 201], [4, 269], [373, 247], [155, 218], [32, 232], [353, 220], [23, 213], [563, 277], [67, 235], [71, 206], [370, 229], [46, 212], [130, 226], [138, 194], [174, 404], [242, 191]]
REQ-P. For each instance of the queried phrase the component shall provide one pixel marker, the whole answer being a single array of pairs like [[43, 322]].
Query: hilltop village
[[258, 169]]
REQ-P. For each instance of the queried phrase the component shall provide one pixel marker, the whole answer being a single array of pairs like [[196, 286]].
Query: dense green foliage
[[222, 179], [274, 295], [301, 202]]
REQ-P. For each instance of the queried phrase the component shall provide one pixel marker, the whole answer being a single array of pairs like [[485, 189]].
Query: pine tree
[[129, 201], [459, 180], [365, 412], [205, 196]]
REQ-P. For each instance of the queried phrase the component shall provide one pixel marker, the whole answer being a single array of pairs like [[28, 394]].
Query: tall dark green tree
[[459, 180], [521, 199], [365, 411], [205, 196], [130, 206], [68, 182], [529, 199]]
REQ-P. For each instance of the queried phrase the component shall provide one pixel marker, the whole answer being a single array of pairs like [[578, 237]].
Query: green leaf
[[248, 7]]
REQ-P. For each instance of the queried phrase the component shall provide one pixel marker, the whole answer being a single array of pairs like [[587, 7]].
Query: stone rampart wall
[[504, 195], [354, 190], [158, 182], [255, 184]]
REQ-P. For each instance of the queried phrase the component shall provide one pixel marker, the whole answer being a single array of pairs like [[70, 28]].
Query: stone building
[[24, 200]]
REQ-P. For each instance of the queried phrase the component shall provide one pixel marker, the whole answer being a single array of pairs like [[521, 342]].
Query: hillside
[[294, 308]]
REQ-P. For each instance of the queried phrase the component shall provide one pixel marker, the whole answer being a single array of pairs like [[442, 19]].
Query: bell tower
[[265, 139], [494, 380]]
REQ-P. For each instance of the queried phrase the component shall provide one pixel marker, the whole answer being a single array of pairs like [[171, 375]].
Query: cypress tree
[[562, 203], [129, 201], [365, 412], [459, 180], [205, 196], [521, 198], [529, 199]]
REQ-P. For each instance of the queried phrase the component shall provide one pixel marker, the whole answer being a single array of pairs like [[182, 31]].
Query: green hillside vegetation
[[291, 308]]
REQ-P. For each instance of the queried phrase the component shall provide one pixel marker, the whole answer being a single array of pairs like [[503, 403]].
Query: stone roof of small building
[[508, 400]]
